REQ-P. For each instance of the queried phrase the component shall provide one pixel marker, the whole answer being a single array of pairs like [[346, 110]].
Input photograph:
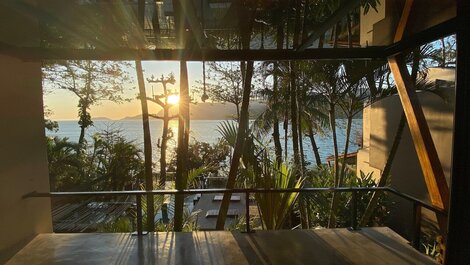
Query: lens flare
[[173, 99]]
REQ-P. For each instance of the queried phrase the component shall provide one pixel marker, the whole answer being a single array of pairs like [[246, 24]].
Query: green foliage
[[367, 4], [319, 203], [204, 157], [275, 207], [91, 81], [224, 83], [110, 163], [64, 165], [117, 161]]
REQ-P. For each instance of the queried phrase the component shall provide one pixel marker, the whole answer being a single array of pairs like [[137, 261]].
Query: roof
[[208, 208], [201, 30]]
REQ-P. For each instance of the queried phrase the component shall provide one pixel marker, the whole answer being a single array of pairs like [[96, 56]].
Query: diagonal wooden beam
[[427, 154], [436, 32], [339, 14], [405, 14]]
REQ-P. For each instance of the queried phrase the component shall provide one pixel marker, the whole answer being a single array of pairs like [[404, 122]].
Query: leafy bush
[[319, 203], [201, 154]]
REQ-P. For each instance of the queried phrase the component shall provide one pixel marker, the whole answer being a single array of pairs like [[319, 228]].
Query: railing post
[[247, 211], [354, 210], [138, 200], [416, 225]]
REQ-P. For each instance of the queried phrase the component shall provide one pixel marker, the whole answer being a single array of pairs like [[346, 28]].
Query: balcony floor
[[323, 246]]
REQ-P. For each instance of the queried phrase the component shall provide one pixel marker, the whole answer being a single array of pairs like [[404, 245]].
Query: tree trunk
[[238, 150], [321, 41], [163, 146], [311, 135], [443, 63], [346, 149], [293, 114], [83, 121], [147, 147], [275, 99], [182, 149], [335, 38], [301, 144], [276, 136], [335, 199], [286, 130], [82, 134], [332, 115]]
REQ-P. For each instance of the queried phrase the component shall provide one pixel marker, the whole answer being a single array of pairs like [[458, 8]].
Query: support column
[[458, 240]]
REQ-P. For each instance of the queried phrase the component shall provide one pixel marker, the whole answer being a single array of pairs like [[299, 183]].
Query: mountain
[[101, 119], [212, 111]]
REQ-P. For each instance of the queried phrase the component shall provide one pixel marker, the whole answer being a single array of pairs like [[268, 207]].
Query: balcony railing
[[417, 203]]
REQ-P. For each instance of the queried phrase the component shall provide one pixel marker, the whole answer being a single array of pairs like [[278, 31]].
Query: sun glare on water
[[173, 99]]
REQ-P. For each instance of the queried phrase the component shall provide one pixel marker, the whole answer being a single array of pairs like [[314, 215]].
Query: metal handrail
[[417, 203], [196, 191]]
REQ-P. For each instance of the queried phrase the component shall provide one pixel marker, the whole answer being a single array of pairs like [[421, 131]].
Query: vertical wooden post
[[247, 211], [458, 239], [138, 200], [141, 13], [416, 226]]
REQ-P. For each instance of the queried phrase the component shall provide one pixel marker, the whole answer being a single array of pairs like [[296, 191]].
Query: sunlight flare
[[173, 99]]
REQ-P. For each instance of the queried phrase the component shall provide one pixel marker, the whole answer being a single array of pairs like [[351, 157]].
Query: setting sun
[[173, 99]]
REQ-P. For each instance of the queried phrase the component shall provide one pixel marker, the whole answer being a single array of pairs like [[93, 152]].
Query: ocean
[[204, 131]]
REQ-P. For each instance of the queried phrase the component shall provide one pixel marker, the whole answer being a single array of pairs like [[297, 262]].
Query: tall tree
[[246, 9], [225, 83], [183, 145], [163, 101], [91, 81], [147, 146]]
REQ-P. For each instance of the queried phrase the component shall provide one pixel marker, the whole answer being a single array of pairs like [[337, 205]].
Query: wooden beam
[[458, 238], [141, 13], [400, 31], [427, 155], [339, 14], [431, 34], [424, 145], [37, 54]]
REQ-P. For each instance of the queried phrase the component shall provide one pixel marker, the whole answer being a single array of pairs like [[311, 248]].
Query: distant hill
[[101, 119], [213, 111]]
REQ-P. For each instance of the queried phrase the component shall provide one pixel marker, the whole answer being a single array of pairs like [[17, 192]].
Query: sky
[[63, 103]]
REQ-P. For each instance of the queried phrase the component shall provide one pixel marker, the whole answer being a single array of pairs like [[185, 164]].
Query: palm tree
[[64, 163]]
